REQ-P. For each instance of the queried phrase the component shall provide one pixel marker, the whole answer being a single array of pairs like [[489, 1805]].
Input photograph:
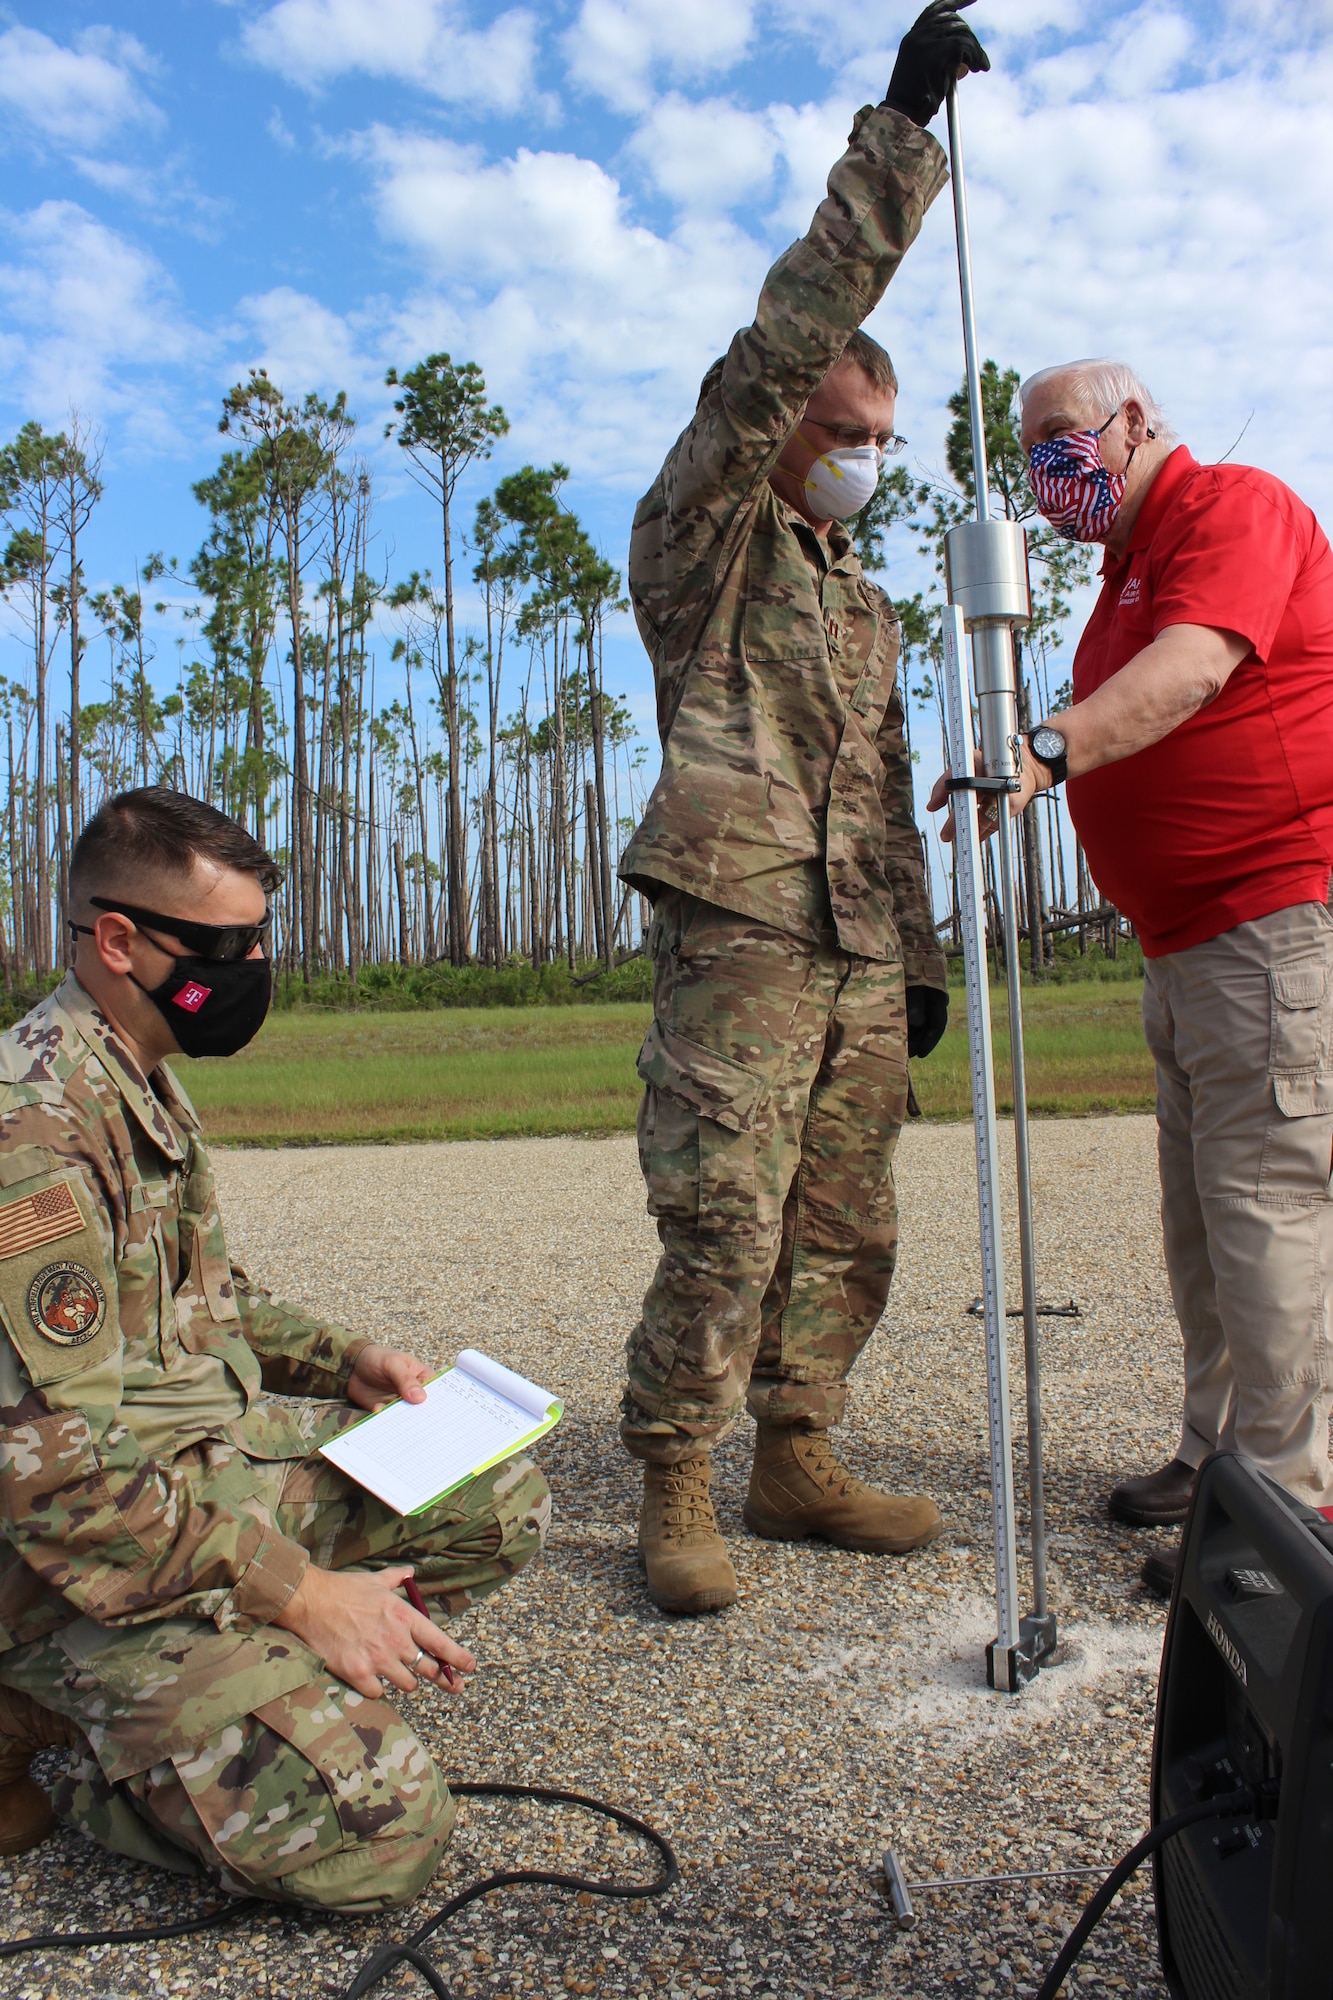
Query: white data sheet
[[475, 1414]]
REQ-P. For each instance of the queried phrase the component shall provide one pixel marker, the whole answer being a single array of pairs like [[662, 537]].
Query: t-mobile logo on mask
[[191, 997]]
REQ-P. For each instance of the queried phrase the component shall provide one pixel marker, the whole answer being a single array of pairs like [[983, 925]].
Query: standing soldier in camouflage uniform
[[796, 965], [191, 1600]]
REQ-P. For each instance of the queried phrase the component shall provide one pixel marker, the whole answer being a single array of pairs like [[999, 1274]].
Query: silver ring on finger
[[421, 1654]]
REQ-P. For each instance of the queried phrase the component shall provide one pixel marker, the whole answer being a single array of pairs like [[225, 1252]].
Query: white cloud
[[1107, 217], [423, 42], [88, 314], [615, 46], [1149, 182], [1295, 25], [77, 96], [592, 329], [116, 177], [1153, 225], [302, 346], [705, 156], [812, 137]]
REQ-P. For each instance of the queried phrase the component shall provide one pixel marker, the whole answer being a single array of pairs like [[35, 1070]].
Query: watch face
[[1048, 743]]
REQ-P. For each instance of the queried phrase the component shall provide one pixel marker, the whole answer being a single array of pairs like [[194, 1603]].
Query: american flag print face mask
[[1073, 489]]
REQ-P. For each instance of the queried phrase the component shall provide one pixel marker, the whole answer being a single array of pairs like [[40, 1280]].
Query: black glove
[[931, 54], [927, 1018]]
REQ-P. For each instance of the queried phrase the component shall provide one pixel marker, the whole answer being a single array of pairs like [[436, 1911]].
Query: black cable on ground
[[1236, 1805], [55, 1940], [409, 1952]]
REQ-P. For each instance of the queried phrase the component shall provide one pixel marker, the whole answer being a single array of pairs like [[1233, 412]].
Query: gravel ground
[[839, 1707]]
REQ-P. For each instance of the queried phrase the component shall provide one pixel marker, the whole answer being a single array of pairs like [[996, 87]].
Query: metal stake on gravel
[[989, 597]]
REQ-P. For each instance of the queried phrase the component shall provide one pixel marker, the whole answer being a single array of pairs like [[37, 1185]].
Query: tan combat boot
[[682, 1551], [25, 1728], [798, 1489]]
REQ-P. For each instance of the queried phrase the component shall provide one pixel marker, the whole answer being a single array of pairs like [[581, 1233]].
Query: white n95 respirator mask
[[840, 483]]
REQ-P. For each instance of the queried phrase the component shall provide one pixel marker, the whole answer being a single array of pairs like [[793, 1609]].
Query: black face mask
[[215, 1006]]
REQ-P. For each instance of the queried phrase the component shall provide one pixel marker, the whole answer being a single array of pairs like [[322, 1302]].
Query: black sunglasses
[[213, 941]]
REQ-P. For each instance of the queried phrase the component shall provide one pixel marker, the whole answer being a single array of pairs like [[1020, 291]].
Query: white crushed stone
[[840, 1707]]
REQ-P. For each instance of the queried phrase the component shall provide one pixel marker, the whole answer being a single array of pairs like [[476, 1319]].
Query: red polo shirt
[[1231, 815]]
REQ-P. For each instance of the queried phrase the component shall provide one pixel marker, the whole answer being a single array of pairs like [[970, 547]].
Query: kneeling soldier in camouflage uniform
[[795, 957], [191, 1600]]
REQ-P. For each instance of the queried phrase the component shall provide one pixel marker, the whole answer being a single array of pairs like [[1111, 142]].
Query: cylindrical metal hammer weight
[[986, 571]]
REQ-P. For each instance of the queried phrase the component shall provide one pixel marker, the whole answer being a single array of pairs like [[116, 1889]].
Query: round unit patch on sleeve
[[66, 1304]]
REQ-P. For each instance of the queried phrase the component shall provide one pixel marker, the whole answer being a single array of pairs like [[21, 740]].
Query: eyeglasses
[[1081, 430], [849, 436], [218, 942], [1098, 432]]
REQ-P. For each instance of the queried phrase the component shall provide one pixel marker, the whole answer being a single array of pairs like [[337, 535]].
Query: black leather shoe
[[1159, 1571], [1156, 1500]]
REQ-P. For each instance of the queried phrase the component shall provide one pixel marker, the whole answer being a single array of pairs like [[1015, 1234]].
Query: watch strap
[[1057, 766]]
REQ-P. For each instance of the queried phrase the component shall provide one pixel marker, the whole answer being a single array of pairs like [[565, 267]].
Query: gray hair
[[1105, 385]]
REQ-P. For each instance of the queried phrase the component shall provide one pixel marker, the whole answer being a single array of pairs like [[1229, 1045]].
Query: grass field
[[480, 1073]]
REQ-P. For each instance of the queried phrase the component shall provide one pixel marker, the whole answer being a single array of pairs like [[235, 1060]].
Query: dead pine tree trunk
[[81, 489], [400, 877], [1037, 958], [75, 657], [428, 943], [300, 811], [1078, 891], [62, 848], [488, 943], [598, 707], [42, 855], [600, 939], [454, 888], [1032, 863], [15, 879]]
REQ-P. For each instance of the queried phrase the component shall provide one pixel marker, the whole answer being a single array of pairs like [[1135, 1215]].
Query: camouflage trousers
[[243, 1754], [776, 1076]]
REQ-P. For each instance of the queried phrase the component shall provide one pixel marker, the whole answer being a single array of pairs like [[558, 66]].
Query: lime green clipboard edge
[[553, 1415], [554, 1412]]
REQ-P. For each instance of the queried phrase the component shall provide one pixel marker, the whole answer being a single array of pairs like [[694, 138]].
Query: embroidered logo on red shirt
[[191, 997], [1132, 591]]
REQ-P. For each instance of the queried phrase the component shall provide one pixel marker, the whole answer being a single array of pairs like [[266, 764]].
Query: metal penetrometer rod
[[972, 913], [989, 585], [974, 405]]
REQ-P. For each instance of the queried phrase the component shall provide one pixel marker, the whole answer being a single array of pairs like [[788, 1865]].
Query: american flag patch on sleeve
[[39, 1218]]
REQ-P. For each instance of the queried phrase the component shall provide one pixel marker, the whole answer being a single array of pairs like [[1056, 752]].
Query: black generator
[[1245, 1907]]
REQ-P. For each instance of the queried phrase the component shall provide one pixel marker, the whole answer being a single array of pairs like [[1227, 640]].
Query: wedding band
[[421, 1654]]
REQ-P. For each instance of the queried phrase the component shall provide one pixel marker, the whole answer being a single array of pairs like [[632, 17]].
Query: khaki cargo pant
[[776, 1076], [317, 1795], [1241, 1031]]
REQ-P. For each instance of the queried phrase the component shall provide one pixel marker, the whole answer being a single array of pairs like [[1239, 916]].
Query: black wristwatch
[[1048, 746]]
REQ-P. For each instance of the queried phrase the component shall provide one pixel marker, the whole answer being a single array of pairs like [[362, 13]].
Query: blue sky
[[583, 197]]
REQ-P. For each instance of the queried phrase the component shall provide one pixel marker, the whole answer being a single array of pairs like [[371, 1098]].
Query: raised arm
[[813, 300]]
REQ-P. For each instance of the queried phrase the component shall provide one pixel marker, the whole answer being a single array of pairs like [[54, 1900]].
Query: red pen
[[418, 1603]]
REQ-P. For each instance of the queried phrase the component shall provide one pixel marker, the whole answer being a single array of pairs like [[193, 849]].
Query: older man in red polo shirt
[[1199, 753]]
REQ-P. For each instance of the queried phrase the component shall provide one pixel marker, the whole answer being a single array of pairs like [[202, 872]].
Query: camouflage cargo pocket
[[316, 1772], [696, 1134]]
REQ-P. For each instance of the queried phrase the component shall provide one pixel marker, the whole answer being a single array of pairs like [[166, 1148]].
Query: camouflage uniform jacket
[[140, 1373], [786, 791]]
